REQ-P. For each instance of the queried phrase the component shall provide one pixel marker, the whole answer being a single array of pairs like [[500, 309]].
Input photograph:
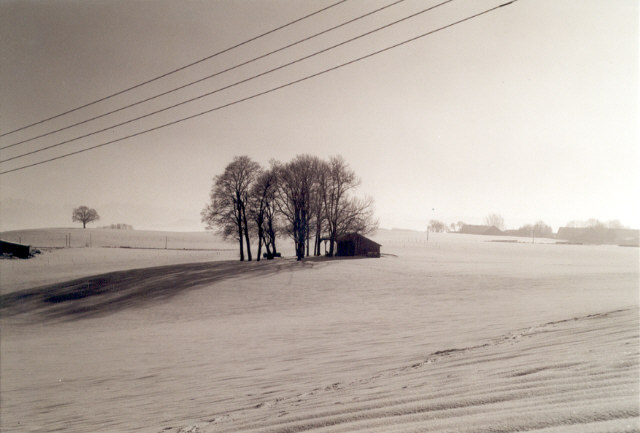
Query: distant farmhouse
[[599, 235], [470, 229], [354, 244]]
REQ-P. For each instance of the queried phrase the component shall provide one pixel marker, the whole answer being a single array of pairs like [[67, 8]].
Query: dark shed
[[354, 244], [18, 250]]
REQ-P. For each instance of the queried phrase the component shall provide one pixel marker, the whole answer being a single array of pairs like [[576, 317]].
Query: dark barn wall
[[18, 250], [357, 245], [346, 248]]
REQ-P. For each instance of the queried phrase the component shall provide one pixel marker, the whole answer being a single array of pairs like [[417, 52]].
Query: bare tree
[[262, 211], [318, 210], [357, 216], [222, 216], [541, 230], [84, 215], [437, 226], [295, 183], [495, 220], [615, 224], [227, 211], [271, 220], [336, 184]]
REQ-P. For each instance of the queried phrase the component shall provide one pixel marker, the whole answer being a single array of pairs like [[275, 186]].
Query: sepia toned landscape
[[328, 216]]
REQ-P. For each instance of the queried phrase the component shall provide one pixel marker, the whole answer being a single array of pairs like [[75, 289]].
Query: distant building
[[599, 235], [471, 229], [354, 244]]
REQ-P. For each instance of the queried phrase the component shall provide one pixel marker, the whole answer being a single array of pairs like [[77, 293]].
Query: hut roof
[[353, 236]]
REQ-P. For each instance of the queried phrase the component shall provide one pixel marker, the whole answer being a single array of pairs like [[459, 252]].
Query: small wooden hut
[[354, 244], [17, 250]]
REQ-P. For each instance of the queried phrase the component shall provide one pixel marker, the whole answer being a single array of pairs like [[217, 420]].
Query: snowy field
[[112, 238], [94, 251], [453, 333]]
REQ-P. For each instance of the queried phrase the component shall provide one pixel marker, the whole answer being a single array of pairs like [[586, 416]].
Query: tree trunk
[[272, 237], [241, 243], [261, 238], [332, 242], [246, 232], [299, 247], [299, 235], [266, 247], [307, 232], [84, 225], [238, 218], [316, 249], [259, 247]]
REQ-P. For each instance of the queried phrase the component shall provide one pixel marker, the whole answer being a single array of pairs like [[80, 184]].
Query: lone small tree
[[84, 215]]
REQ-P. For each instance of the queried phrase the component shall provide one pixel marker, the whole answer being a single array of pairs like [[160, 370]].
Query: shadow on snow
[[104, 294]]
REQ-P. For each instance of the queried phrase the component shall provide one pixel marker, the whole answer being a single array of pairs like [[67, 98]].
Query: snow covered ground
[[450, 334], [94, 251]]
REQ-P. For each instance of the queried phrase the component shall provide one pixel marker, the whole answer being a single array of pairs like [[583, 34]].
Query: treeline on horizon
[[539, 228], [308, 199]]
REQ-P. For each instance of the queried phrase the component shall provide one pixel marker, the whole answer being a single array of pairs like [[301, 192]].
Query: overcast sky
[[530, 111]]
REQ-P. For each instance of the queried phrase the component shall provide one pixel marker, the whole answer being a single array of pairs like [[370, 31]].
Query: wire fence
[[108, 238]]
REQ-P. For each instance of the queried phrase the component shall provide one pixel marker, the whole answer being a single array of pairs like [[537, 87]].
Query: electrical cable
[[203, 78], [228, 86], [178, 69], [291, 83]]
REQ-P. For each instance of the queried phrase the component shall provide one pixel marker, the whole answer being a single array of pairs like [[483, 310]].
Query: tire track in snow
[[528, 380]]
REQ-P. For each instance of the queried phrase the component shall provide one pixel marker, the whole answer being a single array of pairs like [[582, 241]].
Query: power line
[[274, 89], [228, 86], [204, 78], [179, 69]]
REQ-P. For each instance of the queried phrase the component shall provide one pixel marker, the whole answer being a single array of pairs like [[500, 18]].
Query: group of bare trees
[[437, 226], [307, 198], [494, 220], [539, 229], [595, 223]]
